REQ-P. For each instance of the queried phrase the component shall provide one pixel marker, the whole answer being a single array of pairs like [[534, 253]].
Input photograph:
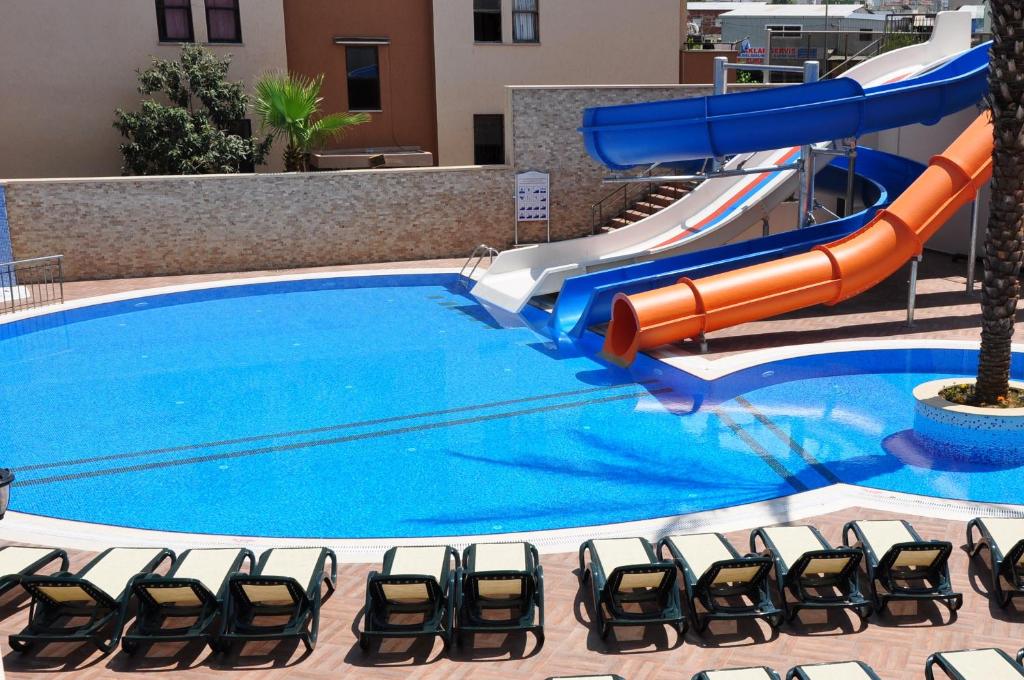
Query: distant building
[[705, 16]]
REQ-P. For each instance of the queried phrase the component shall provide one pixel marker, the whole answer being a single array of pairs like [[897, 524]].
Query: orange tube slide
[[828, 274]]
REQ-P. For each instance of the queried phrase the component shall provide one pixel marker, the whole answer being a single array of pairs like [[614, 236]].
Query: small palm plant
[[289, 105]]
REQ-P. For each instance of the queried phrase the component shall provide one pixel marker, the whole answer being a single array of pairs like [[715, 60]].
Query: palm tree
[[1004, 234], [288, 105]]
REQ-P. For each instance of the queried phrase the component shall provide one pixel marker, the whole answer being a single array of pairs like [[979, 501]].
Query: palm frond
[[335, 124]]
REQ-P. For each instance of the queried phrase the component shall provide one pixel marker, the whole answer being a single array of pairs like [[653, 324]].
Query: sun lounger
[[17, 562], [713, 571], [99, 592], [1004, 538], [750, 673], [630, 586], [194, 589], [500, 576], [818, 575], [843, 670], [415, 583], [286, 582], [586, 677], [901, 565], [975, 664]]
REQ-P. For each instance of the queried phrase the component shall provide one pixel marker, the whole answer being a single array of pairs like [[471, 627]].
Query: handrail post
[[720, 86], [851, 169], [972, 248]]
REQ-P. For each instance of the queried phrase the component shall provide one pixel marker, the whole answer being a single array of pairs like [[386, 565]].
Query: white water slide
[[716, 212]]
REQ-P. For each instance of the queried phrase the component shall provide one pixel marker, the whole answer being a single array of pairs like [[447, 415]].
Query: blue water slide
[[586, 300], [721, 125]]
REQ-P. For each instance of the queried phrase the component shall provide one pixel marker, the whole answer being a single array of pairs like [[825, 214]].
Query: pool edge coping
[[71, 534]]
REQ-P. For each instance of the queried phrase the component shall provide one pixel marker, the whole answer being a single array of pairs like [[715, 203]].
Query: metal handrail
[[480, 252], [29, 283], [597, 210]]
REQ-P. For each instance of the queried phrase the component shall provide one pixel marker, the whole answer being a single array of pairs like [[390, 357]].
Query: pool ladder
[[475, 258]]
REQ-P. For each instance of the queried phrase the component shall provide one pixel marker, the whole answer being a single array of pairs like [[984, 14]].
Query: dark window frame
[[536, 23], [478, 28], [785, 30], [161, 23], [480, 158], [348, 80], [238, 23]]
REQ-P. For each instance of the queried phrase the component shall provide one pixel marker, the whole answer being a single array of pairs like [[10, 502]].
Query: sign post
[[533, 198]]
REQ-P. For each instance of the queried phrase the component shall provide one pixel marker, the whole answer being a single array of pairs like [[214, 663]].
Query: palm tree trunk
[[294, 159], [1004, 234]]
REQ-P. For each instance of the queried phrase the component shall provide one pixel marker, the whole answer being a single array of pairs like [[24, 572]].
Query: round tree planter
[[992, 431]]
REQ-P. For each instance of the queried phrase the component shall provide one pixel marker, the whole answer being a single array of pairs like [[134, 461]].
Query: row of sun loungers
[[433, 591], [967, 664]]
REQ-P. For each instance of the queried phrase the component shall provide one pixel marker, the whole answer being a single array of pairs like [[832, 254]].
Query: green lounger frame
[[939, 659], [1006, 561], [303, 612], [799, 672], [605, 591], [705, 589], [791, 577], [926, 582], [769, 672], [472, 600], [8, 581], [435, 601], [149, 628], [106, 614]]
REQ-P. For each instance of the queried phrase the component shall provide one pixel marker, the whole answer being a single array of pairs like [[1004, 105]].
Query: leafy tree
[[290, 106], [1004, 234], [193, 134]]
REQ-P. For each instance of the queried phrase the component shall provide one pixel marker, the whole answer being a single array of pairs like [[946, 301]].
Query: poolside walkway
[[896, 646]]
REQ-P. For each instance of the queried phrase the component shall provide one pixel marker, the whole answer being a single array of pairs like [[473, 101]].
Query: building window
[[363, 78], [489, 139], [223, 23], [525, 21], [487, 20], [785, 30], [174, 20], [866, 35]]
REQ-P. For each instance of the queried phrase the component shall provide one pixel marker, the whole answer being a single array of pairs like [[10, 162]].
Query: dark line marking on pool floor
[[763, 453], [326, 428], [337, 440], [806, 455]]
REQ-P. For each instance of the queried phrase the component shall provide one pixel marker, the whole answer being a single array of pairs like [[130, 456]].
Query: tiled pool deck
[[896, 646]]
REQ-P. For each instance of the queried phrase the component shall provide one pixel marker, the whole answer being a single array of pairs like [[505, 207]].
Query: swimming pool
[[395, 406]]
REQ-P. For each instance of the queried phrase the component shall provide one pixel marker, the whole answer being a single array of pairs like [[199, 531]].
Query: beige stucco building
[[65, 65], [547, 42]]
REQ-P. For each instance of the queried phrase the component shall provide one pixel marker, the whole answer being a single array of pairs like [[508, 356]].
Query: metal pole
[[851, 156], [766, 228], [720, 88], [972, 249], [912, 292], [806, 202]]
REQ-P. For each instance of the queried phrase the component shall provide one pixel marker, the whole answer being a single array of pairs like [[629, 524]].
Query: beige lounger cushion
[[415, 561], [1005, 531], [500, 557], [703, 550], [110, 574], [740, 674], [624, 552], [15, 559], [296, 563], [209, 566], [982, 664], [883, 534], [792, 542], [845, 670]]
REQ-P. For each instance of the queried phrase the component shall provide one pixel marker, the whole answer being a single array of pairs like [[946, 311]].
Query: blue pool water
[[396, 406]]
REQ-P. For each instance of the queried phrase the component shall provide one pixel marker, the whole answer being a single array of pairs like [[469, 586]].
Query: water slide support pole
[[972, 249], [851, 156], [912, 292], [806, 196], [719, 88]]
